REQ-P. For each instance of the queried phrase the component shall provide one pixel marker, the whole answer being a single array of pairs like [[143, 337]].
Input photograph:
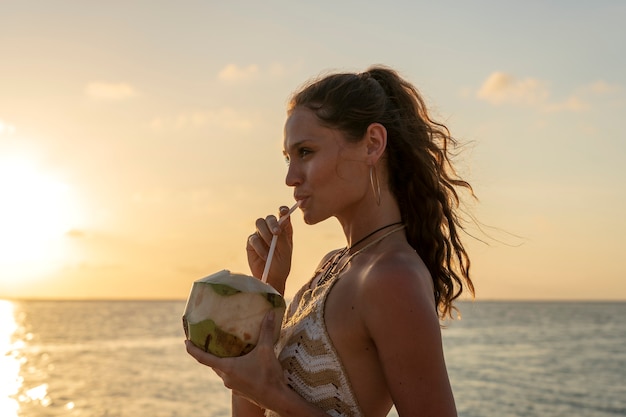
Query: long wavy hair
[[421, 175]]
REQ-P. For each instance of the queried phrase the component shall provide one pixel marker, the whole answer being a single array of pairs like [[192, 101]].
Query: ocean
[[127, 358]]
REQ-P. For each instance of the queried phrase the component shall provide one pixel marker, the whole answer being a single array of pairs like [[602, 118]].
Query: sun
[[36, 211]]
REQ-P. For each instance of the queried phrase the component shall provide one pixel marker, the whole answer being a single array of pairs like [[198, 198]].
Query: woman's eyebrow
[[294, 145]]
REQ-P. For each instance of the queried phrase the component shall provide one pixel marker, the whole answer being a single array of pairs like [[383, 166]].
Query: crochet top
[[311, 364]]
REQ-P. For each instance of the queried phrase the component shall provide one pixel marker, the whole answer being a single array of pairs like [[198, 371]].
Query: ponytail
[[421, 175]]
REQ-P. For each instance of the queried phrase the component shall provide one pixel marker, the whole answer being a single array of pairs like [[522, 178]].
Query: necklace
[[372, 234], [331, 269]]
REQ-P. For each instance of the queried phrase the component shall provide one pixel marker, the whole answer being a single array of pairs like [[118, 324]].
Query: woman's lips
[[301, 201]]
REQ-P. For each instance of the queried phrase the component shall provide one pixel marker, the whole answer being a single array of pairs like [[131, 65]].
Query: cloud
[[225, 118], [601, 87], [110, 91], [500, 88], [234, 73], [505, 89]]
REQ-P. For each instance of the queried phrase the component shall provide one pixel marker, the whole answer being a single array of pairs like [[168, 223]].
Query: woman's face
[[328, 173]]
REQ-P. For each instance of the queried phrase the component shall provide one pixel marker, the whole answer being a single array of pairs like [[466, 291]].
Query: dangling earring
[[375, 183]]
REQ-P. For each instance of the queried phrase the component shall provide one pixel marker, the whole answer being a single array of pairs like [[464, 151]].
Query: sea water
[[127, 358]]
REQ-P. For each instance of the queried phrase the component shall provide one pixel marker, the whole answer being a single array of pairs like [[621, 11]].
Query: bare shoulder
[[394, 276], [397, 307], [395, 294]]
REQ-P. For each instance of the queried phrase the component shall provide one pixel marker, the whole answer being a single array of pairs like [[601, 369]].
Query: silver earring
[[375, 183]]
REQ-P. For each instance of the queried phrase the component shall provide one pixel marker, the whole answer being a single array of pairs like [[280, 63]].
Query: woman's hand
[[256, 376], [258, 246]]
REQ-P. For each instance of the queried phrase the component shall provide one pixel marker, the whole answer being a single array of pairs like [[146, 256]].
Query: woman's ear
[[376, 141]]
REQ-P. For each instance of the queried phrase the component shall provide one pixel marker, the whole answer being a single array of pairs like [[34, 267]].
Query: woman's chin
[[310, 218]]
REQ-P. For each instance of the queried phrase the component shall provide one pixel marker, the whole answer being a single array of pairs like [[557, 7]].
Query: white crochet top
[[312, 366]]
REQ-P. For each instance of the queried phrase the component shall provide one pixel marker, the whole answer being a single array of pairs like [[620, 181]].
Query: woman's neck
[[366, 220]]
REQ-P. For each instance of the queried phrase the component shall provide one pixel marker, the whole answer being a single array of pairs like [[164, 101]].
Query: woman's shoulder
[[397, 263], [397, 275]]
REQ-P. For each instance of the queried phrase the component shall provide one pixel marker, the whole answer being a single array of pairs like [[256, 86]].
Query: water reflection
[[38, 393], [10, 379]]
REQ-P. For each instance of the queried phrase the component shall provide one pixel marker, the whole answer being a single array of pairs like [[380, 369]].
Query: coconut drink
[[225, 310]]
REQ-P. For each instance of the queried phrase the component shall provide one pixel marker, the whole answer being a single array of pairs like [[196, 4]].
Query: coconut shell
[[224, 313]]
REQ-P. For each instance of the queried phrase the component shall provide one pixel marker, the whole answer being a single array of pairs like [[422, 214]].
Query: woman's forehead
[[303, 124], [301, 116]]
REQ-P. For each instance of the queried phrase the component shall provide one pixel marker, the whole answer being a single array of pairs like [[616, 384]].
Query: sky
[[140, 140]]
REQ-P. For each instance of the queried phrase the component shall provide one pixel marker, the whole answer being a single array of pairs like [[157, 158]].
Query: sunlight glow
[[36, 211], [6, 128]]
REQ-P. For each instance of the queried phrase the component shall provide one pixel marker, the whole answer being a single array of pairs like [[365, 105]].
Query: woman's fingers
[[221, 366], [266, 228], [200, 355], [258, 246], [263, 230], [283, 210], [266, 336]]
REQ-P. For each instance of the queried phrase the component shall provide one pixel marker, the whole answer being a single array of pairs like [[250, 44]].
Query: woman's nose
[[294, 176]]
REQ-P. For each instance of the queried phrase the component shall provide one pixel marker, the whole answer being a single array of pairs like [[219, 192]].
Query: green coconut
[[224, 313]]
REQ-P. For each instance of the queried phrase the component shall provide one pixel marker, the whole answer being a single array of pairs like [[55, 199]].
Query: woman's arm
[[241, 407], [400, 315]]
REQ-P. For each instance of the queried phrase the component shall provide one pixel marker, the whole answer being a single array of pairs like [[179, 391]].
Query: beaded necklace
[[331, 268]]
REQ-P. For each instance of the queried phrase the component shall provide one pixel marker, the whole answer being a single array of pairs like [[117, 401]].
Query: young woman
[[364, 333]]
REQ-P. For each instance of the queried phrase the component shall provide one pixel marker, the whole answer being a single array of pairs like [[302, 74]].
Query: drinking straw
[[270, 254]]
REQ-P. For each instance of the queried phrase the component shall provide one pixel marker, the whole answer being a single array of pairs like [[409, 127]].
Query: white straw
[[270, 254]]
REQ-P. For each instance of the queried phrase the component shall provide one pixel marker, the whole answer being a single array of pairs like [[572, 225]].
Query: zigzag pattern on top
[[312, 366]]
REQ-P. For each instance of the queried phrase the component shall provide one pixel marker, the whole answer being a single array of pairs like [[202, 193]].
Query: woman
[[364, 333]]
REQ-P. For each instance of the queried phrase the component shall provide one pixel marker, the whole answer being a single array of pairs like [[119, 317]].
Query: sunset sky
[[140, 140]]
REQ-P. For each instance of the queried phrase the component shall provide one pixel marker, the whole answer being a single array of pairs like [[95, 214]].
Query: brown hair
[[420, 172]]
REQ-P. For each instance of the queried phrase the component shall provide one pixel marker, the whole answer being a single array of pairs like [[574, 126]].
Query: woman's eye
[[300, 153]]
